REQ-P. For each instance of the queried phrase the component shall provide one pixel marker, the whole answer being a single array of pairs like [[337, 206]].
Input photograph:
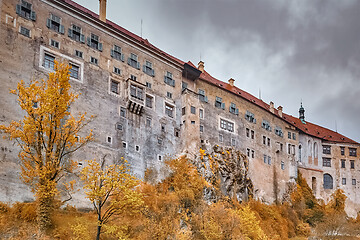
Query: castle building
[[151, 106]]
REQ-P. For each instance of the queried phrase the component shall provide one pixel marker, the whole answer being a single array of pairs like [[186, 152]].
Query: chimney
[[280, 108], [271, 107], [102, 12], [201, 66], [231, 82]]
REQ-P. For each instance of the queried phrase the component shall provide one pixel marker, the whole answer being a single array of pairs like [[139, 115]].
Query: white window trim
[[29, 32], [50, 39], [11, 19], [203, 111], [160, 158], [111, 139], [226, 119], [126, 145], [120, 112], [120, 87], [44, 50], [153, 96], [174, 110], [138, 147]]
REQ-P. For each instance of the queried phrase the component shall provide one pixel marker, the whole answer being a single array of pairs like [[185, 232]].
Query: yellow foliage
[[46, 135]]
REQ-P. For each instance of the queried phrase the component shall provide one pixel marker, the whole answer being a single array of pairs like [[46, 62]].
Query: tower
[[302, 114]]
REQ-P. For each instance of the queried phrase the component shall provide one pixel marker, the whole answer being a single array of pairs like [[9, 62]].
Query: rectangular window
[[122, 112], [248, 152], [133, 61], [343, 163], [289, 135], [148, 121], [24, 10], [94, 60], [201, 128], [169, 94], [168, 79], [265, 158], [184, 86], [294, 136], [352, 152], [74, 71], [119, 126], [352, 164], [192, 122], [148, 69], [201, 113], [219, 103], [353, 181], [226, 125], [233, 142], [114, 86], [117, 71], [54, 43], [24, 31], [148, 85], [202, 96], [149, 101], [326, 162], [247, 132], [233, 109], [78, 53], [169, 110], [252, 153], [269, 160], [93, 42], [343, 181], [221, 138], [326, 149], [342, 150], [282, 165], [252, 134], [183, 111], [249, 116], [193, 110], [264, 140], [132, 77], [136, 92], [266, 125], [268, 142], [49, 61], [75, 33], [278, 131], [116, 53], [54, 23]]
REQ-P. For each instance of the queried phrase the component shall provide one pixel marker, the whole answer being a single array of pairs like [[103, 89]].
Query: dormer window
[[202, 96], [266, 125], [279, 131], [116, 53], [133, 61], [75, 33], [233, 109], [25, 10], [168, 79], [250, 117], [148, 69], [93, 42], [219, 103], [54, 23]]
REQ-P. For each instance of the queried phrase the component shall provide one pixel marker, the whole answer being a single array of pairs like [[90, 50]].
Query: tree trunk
[[98, 232], [45, 206]]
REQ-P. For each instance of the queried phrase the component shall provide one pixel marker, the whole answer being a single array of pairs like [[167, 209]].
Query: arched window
[[309, 149], [328, 181], [315, 150], [299, 153]]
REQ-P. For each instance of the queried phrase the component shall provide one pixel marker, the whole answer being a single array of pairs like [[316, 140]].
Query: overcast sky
[[290, 50]]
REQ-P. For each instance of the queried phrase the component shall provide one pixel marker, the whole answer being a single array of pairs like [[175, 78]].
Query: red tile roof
[[308, 128]]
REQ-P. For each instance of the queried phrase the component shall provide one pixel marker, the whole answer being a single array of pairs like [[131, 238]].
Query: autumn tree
[[47, 135], [112, 191]]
